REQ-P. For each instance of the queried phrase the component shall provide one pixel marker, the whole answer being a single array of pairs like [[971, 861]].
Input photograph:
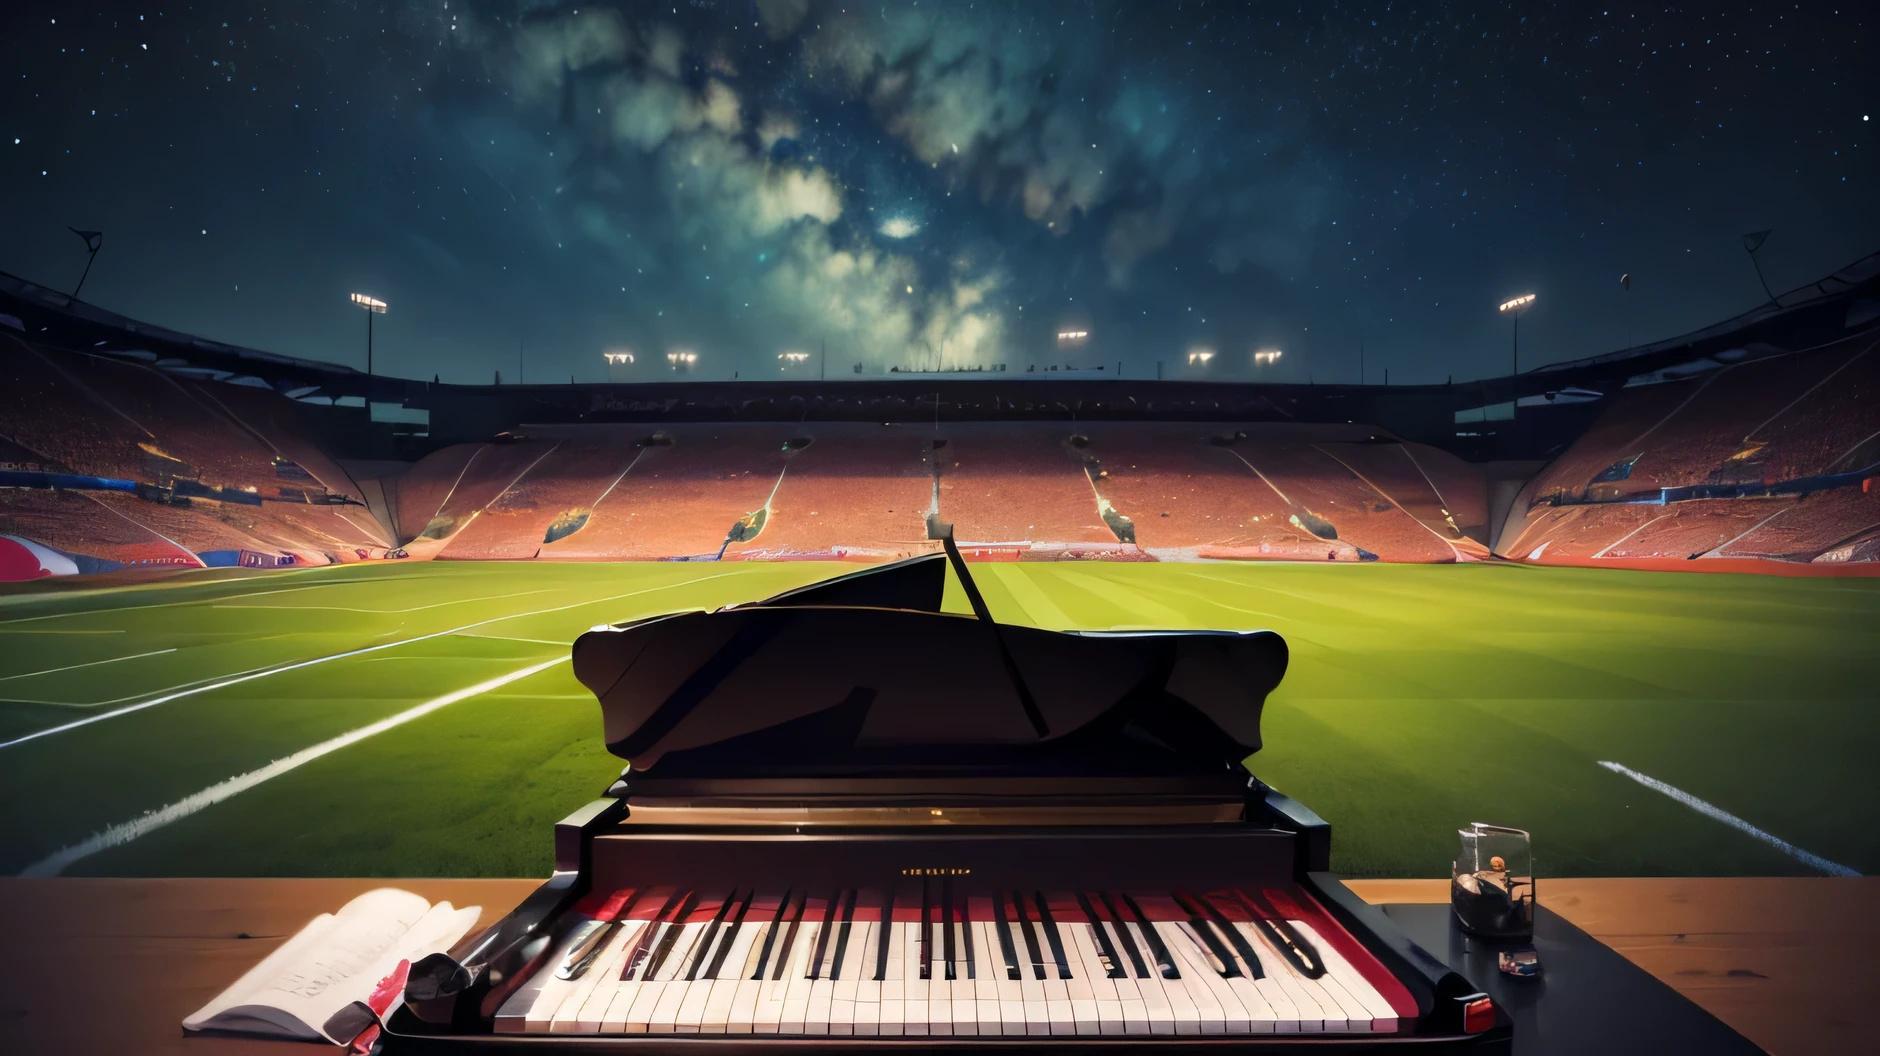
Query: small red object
[[1478, 1015]]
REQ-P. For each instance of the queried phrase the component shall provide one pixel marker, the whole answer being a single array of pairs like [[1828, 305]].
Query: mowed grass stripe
[[1420, 698], [124, 832], [61, 788]]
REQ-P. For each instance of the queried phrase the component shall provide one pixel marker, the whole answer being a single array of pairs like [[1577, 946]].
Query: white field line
[[1813, 861], [4, 624], [94, 663], [297, 665], [56, 862], [388, 612]]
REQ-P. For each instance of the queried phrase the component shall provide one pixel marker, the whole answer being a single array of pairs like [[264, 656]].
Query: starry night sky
[[934, 182]]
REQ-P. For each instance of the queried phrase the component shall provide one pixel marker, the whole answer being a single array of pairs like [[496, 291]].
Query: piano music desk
[[112, 966]]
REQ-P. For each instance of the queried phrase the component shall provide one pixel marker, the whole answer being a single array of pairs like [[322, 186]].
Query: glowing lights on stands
[[615, 358], [793, 357], [370, 304], [1265, 357], [1200, 356], [1517, 303], [1072, 337]]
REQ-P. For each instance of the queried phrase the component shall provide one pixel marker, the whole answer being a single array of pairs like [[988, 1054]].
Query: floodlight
[[1266, 356]]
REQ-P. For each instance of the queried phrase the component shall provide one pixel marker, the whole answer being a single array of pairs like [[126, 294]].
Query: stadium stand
[[1012, 490], [166, 470], [1010, 487], [1768, 458], [127, 444], [855, 491]]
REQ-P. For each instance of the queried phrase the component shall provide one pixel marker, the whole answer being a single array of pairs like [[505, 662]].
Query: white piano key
[[864, 950], [960, 989], [532, 1007], [1129, 1006], [796, 993], [1057, 995], [1182, 1011], [1376, 1005], [822, 989], [893, 988], [767, 1010], [1011, 993], [602, 975], [1288, 1017], [842, 1001], [606, 1011], [671, 980], [697, 990], [1086, 981], [1156, 1003], [1031, 992], [722, 1006], [1287, 985], [741, 1018], [988, 969], [914, 1011], [1219, 1010], [716, 1018], [1331, 992], [1260, 1016]]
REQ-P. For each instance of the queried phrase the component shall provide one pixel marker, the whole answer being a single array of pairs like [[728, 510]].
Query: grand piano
[[850, 819]]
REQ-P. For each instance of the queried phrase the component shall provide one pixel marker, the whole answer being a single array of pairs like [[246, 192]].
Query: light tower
[[1513, 307], [373, 306]]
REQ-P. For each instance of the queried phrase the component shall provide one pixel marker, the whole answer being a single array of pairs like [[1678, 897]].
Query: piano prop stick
[[850, 816]]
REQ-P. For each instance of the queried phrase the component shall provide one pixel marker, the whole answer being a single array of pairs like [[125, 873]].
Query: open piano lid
[[863, 674]]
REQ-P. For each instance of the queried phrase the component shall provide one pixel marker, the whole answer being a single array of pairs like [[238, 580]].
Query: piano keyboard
[[943, 963]]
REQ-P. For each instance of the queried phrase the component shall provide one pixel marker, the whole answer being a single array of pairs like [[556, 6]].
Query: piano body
[[850, 819]]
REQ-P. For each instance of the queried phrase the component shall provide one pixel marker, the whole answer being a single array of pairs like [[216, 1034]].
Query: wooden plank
[[164, 948]]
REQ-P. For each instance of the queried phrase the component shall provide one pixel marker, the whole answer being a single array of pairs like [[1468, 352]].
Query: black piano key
[[1295, 947], [1241, 946], [823, 935], [644, 943], [926, 931], [1154, 939], [1004, 929], [1122, 933], [731, 935], [671, 936], [789, 937], [1105, 951], [710, 933], [842, 937], [1031, 935], [1051, 935], [1199, 921], [946, 924], [883, 935], [966, 937], [770, 937]]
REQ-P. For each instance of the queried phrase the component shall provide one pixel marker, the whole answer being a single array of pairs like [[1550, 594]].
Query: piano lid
[[864, 674]]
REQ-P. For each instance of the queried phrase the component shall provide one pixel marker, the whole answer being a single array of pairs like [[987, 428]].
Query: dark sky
[[953, 182]]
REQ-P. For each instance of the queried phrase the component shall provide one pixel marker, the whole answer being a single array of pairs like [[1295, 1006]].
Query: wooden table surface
[[113, 966]]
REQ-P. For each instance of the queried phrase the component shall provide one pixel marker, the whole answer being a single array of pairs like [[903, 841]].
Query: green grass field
[[1419, 699]]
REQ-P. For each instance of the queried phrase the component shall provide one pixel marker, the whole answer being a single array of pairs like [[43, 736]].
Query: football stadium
[[250, 631], [770, 526]]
